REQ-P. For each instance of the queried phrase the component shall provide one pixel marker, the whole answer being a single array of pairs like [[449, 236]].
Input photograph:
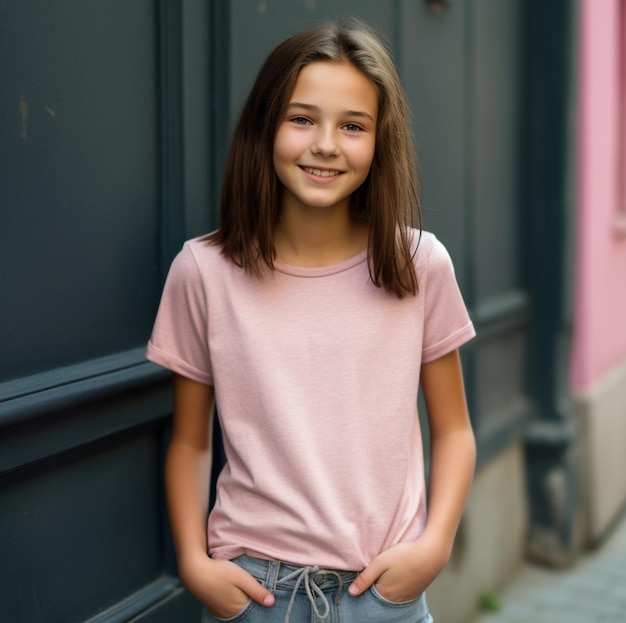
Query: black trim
[[69, 433], [28, 398], [149, 596], [219, 95], [553, 478], [550, 31]]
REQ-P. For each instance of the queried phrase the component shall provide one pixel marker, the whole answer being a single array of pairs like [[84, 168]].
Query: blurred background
[[114, 122]]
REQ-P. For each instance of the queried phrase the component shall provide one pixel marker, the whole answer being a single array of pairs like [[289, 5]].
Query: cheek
[[278, 148], [286, 145], [280, 158], [365, 157]]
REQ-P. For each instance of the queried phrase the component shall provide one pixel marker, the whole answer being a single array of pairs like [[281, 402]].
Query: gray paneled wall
[[114, 121], [89, 129]]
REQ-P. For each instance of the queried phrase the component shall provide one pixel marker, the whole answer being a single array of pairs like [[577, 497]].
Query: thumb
[[255, 591], [366, 578]]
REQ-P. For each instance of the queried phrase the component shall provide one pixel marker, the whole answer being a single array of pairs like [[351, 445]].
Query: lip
[[330, 175]]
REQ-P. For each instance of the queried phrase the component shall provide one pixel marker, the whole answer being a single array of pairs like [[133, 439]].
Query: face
[[324, 146]]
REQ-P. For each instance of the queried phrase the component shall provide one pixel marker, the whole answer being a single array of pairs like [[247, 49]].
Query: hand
[[223, 587], [404, 571]]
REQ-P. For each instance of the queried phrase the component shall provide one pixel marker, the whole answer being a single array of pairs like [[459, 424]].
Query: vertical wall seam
[[170, 132]]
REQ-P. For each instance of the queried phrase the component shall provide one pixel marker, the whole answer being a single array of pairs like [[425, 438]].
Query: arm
[[453, 448], [405, 570], [220, 585]]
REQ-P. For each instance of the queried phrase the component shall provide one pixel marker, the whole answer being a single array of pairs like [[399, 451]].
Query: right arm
[[220, 585]]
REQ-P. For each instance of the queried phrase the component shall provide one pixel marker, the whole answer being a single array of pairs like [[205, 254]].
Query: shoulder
[[202, 249], [429, 253], [197, 260], [197, 255]]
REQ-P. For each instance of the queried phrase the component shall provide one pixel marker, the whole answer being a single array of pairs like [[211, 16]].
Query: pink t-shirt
[[316, 375]]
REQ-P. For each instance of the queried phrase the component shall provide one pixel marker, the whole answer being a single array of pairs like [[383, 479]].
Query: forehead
[[335, 85]]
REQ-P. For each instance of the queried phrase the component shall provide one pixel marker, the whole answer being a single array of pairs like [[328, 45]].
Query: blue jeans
[[311, 595]]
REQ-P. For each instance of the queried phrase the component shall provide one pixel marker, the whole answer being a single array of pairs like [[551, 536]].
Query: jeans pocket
[[379, 608], [207, 617], [388, 602]]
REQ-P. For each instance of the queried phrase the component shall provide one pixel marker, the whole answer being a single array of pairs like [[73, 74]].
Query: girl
[[309, 319]]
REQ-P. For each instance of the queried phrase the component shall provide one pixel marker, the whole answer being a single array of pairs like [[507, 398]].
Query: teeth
[[320, 172]]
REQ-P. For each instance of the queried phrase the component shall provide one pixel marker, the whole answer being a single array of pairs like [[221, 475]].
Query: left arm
[[405, 570]]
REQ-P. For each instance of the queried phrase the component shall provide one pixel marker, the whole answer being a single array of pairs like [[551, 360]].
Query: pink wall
[[600, 301]]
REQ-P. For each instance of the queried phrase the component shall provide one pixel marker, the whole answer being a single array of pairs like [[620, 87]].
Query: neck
[[319, 238]]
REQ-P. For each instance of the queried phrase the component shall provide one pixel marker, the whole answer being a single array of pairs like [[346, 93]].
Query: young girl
[[309, 319]]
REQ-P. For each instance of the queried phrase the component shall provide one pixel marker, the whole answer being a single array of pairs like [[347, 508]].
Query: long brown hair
[[387, 200]]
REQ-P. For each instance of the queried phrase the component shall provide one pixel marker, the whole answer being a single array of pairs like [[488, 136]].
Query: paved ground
[[593, 591]]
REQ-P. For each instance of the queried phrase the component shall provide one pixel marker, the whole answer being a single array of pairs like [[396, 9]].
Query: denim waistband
[[310, 580], [277, 574]]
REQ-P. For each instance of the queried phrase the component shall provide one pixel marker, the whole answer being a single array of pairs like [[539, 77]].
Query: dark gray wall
[[96, 164], [114, 120]]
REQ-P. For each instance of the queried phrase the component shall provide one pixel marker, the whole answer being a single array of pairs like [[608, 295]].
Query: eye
[[352, 127], [300, 121]]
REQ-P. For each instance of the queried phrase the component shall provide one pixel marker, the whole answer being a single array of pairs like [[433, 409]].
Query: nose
[[325, 143]]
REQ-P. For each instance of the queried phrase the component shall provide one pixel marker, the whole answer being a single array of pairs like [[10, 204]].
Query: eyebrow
[[313, 108]]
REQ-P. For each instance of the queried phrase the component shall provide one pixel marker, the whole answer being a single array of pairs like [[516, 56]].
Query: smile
[[321, 172]]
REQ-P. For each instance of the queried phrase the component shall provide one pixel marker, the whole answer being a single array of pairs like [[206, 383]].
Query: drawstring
[[304, 575]]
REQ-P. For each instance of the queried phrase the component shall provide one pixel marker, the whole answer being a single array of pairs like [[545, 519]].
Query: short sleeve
[[447, 324], [179, 340]]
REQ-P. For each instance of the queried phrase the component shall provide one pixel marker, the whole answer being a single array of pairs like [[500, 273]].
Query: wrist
[[190, 563], [439, 543]]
